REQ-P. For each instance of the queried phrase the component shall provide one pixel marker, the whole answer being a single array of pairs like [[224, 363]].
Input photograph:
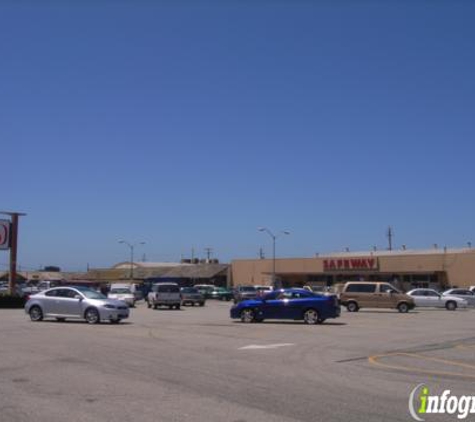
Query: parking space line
[[374, 360], [268, 346]]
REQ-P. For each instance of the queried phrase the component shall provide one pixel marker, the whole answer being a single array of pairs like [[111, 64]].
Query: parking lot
[[196, 364]]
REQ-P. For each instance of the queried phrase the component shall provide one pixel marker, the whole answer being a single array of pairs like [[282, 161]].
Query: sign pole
[[13, 249]]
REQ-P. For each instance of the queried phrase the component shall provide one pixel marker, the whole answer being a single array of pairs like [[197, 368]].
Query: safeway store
[[437, 268]]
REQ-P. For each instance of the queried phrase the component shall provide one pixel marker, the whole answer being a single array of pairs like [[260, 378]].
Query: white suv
[[164, 294]]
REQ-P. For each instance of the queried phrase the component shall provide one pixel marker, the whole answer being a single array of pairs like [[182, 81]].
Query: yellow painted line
[[448, 361], [465, 346], [374, 360]]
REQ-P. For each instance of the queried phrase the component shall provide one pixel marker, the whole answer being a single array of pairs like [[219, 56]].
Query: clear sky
[[190, 124]]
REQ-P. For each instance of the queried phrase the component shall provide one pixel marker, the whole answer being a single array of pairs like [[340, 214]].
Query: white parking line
[[267, 346]]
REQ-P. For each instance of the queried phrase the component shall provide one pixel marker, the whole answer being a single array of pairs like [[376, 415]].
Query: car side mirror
[[78, 297]]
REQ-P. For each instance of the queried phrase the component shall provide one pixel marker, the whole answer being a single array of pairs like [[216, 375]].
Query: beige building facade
[[437, 268]]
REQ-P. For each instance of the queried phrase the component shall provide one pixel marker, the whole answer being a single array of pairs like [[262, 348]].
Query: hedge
[[12, 302]]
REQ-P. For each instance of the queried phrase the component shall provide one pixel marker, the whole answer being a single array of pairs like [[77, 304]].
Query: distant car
[[75, 303], [317, 288], [191, 295], [244, 293], [433, 299], [263, 290], [294, 304], [205, 289], [164, 294], [221, 293], [124, 294]]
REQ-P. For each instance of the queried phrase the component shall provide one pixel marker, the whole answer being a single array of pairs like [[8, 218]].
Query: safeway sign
[[5, 234]]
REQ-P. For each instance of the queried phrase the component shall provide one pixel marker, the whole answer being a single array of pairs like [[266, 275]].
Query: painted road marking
[[267, 346], [375, 360]]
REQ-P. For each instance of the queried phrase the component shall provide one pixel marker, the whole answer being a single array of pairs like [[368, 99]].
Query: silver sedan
[[433, 299], [462, 294], [75, 303]]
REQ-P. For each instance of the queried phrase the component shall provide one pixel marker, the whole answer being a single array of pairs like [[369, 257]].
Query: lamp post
[[274, 237], [131, 246]]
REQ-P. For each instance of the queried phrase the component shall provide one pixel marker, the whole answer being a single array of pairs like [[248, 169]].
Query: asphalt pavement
[[196, 364]]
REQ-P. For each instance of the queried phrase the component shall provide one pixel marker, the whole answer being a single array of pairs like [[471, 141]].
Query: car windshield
[[120, 291], [248, 289], [90, 294]]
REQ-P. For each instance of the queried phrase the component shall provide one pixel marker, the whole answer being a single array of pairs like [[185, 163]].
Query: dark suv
[[244, 292]]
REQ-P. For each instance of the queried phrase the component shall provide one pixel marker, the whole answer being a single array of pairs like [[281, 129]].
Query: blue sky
[[190, 124]]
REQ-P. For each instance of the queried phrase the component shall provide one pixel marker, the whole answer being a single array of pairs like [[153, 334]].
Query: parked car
[[75, 303], [294, 304], [373, 294], [433, 299], [123, 293], [221, 293], [205, 289], [244, 293], [263, 290], [191, 295], [462, 294], [164, 294]]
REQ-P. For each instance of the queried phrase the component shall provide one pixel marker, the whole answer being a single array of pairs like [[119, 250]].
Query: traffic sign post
[[13, 241]]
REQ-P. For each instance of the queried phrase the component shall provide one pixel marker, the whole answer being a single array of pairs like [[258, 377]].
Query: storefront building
[[437, 268]]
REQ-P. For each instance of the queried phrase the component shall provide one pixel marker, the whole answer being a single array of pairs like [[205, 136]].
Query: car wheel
[[177, 307], [247, 315], [451, 305], [155, 306], [60, 319], [92, 316], [310, 316], [403, 308], [202, 304], [36, 314], [352, 307]]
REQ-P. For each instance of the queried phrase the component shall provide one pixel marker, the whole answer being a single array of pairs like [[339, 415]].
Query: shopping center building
[[438, 268]]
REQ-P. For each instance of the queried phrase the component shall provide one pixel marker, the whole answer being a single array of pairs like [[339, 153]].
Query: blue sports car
[[294, 304]]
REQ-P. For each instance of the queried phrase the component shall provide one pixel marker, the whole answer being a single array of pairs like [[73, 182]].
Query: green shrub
[[11, 302]]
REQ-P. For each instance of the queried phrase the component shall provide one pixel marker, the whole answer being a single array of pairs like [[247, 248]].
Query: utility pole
[[390, 235], [208, 253]]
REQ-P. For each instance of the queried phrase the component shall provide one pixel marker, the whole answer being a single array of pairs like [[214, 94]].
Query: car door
[[386, 297], [68, 303], [274, 305], [433, 299], [50, 302], [419, 298]]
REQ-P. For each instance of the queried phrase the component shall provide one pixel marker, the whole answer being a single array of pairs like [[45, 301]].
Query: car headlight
[[109, 306]]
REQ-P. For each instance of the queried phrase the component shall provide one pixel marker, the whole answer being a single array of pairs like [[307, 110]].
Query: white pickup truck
[[164, 294]]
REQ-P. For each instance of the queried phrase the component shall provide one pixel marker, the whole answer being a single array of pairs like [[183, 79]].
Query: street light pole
[[131, 246], [274, 237]]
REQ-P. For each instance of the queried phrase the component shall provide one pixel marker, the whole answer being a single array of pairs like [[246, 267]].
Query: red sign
[[348, 264], [4, 234]]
